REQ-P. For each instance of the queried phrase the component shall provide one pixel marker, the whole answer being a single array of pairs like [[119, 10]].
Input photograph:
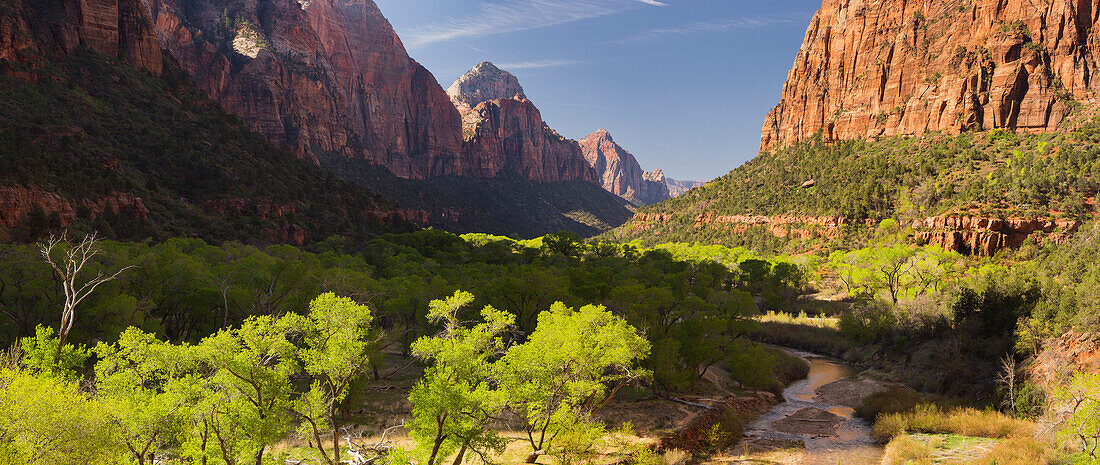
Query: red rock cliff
[[620, 172], [320, 76], [870, 68], [503, 131], [112, 27], [509, 135]]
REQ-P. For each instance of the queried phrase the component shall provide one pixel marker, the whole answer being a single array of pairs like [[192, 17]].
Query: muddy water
[[849, 444]]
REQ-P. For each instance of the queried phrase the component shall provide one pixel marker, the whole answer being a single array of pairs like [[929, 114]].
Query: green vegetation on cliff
[[88, 128], [994, 173]]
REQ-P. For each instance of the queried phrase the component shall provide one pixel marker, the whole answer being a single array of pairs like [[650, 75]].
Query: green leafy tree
[[456, 399], [1078, 405], [138, 380], [44, 354], [47, 420], [246, 408], [337, 343], [560, 376]]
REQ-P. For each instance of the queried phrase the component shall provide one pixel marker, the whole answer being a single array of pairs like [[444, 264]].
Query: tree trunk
[[461, 453], [335, 442], [435, 449]]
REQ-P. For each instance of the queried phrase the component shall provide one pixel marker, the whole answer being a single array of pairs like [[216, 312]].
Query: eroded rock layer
[[870, 68], [483, 83]]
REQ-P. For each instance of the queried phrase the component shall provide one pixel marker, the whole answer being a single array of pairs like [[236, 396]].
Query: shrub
[[896, 400], [869, 321], [761, 367]]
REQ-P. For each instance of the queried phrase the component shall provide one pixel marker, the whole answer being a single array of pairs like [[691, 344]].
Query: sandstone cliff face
[[509, 135], [870, 68], [986, 236], [112, 27], [320, 76], [503, 132], [18, 203], [620, 172], [483, 83]]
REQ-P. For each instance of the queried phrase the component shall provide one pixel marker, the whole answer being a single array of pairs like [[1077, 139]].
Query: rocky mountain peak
[[620, 172], [483, 83], [657, 175]]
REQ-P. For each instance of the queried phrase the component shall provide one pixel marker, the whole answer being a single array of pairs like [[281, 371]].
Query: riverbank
[[816, 422]]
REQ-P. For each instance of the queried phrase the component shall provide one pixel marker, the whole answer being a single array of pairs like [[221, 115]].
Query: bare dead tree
[[1007, 380], [69, 262]]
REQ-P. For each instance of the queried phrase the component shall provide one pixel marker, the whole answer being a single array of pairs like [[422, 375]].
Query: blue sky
[[684, 85]]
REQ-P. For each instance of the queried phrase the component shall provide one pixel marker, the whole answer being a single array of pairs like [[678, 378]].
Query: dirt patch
[[650, 416], [847, 392], [809, 421], [730, 416], [756, 446]]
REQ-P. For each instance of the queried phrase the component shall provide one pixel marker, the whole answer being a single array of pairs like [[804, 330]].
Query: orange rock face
[[509, 134], [986, 236], [871, 68], [620, 172], [314, 77], [112, 27], [18, 203]]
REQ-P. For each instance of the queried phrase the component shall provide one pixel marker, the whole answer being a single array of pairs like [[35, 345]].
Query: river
[[832, 433]]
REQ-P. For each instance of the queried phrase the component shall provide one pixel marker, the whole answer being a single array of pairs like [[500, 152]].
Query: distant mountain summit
[[483, 83], [677, 187], [620, 172]]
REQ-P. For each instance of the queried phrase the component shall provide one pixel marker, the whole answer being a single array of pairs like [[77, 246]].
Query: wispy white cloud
[[706, 27], [537, 64], [503, 16]]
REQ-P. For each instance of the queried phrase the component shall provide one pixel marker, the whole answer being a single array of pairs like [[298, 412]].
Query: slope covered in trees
[[137, 156], [994, 174]]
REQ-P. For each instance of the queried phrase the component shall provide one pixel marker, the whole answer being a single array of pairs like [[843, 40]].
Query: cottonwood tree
[[138, 379], [47, 420], [1077, 407], [456, 399], [336, 336], [560, 376], [69, 262], [248, 389]]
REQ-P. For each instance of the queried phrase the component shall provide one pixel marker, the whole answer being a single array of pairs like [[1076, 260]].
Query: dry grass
[[800, 319], [963, 421], [931, 435], [948, 449]]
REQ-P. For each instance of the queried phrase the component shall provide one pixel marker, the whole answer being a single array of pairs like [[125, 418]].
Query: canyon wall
[[871, 68], [620, 172], [30, 28], [317, 77]]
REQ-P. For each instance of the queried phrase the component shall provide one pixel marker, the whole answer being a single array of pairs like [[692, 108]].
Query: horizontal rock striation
[[871, 68], [18, 204], [620, 172]]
